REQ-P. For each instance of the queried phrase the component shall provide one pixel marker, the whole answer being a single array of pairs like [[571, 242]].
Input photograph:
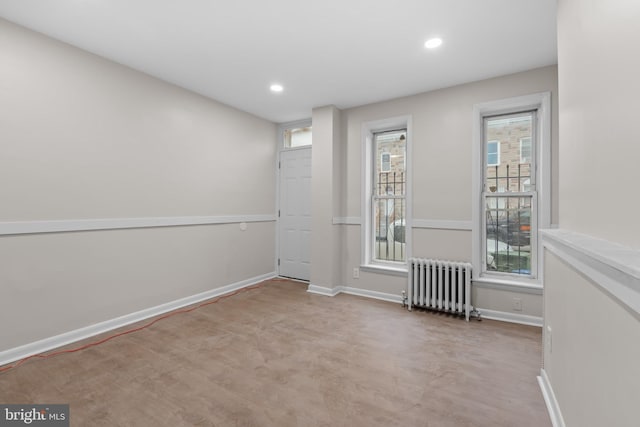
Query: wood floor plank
[[279, 356]]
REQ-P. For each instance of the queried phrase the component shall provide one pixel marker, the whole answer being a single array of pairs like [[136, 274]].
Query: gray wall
[[598, 66], [591, 355], [84, 138]]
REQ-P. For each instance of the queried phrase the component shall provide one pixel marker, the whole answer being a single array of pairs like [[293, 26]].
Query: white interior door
[[295, 213]]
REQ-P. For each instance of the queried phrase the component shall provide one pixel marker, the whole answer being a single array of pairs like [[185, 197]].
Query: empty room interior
[[337, 213]]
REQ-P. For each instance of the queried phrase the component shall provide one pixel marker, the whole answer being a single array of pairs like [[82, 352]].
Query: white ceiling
[[341, 52]]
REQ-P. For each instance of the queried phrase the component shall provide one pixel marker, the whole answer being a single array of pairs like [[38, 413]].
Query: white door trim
[[279, 222], [280, 148]]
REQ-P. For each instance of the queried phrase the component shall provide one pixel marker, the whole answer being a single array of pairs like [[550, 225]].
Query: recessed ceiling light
[[276, 88], [433, 43]]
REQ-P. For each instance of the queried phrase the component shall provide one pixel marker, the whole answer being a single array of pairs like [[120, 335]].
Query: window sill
[[523, 286], [385, 269]]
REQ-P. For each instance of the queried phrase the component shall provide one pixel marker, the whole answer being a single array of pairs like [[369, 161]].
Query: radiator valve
[[404, 299]]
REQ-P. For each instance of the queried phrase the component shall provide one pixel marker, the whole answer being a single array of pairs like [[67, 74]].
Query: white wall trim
[[332, 292], [504, 316], [323, 290], [383, 296], [346, 220], [550, 400], [60, 226], [614, 268], [437, 224], [442, 224], [66, 338]]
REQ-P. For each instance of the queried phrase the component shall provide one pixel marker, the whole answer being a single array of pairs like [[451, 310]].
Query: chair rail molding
[[66, 225], [615, 268]]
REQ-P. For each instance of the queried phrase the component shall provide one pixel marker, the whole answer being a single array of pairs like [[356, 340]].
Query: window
[[386, 189], [511, 199], [385, 162], [525, 150], [493, 153], [297, 137], [508, 196], [388, 200]]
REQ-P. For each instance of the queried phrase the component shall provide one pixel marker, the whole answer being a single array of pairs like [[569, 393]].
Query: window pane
[[389, 200], [389, 229], [525, 150], [508, 242], [389, 178], [299, 137], [493, 153], [385, 162], [509, 151], [510, 146]]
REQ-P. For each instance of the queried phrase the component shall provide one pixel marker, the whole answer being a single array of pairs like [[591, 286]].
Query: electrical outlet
[[548, 339], [517, 304], [356, 273]]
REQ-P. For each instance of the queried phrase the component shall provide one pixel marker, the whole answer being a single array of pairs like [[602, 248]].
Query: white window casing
[[538, 189], [367, 193], [300, 124]]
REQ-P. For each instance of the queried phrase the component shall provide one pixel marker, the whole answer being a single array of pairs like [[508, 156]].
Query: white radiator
[[440, 285]]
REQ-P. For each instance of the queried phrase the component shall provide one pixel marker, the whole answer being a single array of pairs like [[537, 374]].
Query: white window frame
[[368, 263], [530, 149], [541, 102], [306, 123], [495, 141], [488, 195]]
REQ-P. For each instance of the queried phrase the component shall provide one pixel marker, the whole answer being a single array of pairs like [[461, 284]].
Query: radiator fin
[[440, 285]]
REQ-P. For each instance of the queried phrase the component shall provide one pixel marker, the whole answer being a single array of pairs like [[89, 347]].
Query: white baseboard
[[522, 319], [371, 294], [322, 290], [504, 316], [550, 400], [66, 338], [332, 292]]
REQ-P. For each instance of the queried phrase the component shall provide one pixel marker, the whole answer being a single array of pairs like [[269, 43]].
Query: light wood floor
[[279, 356]]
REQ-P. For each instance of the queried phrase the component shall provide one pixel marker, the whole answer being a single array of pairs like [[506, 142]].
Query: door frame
[[280, 148]]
